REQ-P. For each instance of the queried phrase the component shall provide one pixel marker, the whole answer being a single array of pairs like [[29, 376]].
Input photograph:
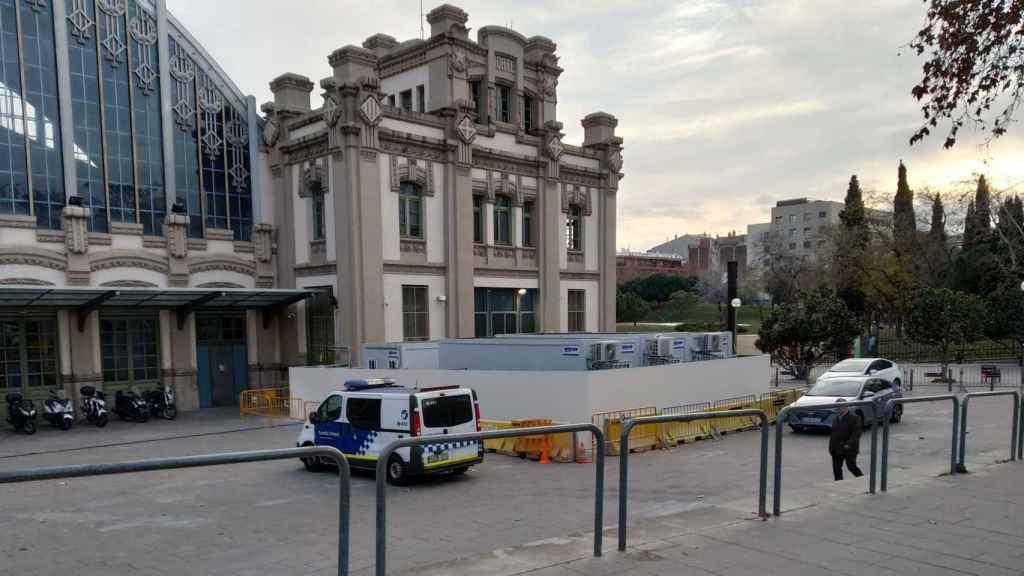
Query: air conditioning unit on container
[[661, 347], [604, 351]]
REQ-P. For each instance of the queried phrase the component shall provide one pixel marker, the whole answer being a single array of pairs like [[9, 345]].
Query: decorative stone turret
[[448, 19], [291, 93], [380, 44], [599, 128]]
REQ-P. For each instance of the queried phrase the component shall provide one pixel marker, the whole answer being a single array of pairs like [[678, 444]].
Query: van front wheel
[[396, 471]]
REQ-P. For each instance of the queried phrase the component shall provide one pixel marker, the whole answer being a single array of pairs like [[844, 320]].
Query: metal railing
[[781, 420], [80, 470], [668, 418], [385, 454], [963, 423], [886, 415]]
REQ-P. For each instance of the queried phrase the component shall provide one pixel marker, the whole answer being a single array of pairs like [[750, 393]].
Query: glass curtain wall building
[[106, 75]]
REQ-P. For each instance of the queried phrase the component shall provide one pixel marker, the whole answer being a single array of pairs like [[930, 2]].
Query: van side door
[[362, 427]]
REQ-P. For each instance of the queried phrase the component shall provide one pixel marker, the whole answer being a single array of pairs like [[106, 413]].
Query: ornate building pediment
[[419, 172], [575, 195]]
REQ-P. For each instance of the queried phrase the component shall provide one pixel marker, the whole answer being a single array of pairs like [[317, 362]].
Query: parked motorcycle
[[58, 411], [94, 406], [161, 403], [130, 406], [21, 413]]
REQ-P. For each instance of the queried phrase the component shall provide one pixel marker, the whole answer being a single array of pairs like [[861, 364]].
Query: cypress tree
[[853, 216], [970, 230], [938, 229], [982, 212], [904, 221]]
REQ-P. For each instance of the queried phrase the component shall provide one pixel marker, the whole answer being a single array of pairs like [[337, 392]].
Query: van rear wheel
[[396, 471], [312, 464]]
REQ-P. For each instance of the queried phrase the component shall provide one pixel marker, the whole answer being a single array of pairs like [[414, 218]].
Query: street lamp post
[[735, 304]]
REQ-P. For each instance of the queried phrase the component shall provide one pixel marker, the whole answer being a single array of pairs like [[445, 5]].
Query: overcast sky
[[726, 106]]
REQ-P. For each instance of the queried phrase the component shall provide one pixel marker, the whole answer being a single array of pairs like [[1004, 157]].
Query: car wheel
[[65, 424], [170, 412], [396, 471], [29, 427], [797, 429], [897, 414], [101, 420], [311, 464]]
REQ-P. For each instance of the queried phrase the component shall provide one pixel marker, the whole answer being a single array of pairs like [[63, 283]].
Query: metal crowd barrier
[[385, 454], [887, 412], [781, 420], [963, 422], [80, 470], [624, 455]]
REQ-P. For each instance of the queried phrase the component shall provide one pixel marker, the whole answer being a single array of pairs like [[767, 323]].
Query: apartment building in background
[[632, 265]]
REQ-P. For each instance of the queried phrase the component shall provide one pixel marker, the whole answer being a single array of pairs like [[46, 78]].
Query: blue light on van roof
[[367, 383]]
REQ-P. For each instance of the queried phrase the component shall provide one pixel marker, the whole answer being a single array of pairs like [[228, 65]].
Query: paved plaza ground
[[275, 518]]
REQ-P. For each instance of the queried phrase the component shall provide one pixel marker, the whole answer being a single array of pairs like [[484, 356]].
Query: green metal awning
[[181, 300]]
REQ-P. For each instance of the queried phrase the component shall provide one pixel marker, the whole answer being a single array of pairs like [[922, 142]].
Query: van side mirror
[[867, 394], [312, 418]]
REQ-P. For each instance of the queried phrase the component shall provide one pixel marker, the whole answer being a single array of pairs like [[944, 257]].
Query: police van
[[369, 414]]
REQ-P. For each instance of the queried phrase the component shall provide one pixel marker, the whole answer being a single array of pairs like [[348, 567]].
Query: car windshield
[[847, 388], [857, 366]]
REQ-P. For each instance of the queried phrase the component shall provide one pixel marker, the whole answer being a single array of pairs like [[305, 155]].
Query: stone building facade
[[431, 193]]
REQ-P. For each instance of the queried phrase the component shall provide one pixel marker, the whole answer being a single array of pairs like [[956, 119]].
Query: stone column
[[460, 133], [67, 121], [176, 229], [599, 136], [86, 365], [166, 115], [182, 375], [549, 189], [355, 176]]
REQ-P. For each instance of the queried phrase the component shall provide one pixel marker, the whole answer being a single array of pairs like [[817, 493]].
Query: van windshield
[[447, 411]]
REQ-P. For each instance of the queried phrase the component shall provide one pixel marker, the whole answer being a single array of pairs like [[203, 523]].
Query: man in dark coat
[[844, 445]]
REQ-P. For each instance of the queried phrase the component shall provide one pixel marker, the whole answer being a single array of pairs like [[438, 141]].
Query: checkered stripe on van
[[435, 448], [367, 441]]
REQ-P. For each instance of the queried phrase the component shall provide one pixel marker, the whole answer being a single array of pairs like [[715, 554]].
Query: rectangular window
[[807, 216], [527, 113], [792, 218], [528, 224], [410, 211], [807, 231], [391, 100], [822, 214], [363, 413], [406, 100], [574, 228], [474, 93], [130, 349], [778, 219], [28, 354], [421, 98], [503, 220], [415, 317], [577, 310], [792, 232], [792, 245], [504, 311], [320, 327], [447, 411], [318, 216], [478, 219], [807, 243], [503, 105]]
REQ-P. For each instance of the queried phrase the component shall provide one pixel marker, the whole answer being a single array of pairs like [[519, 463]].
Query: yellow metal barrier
[[674, 433], [272, 402], [735, 424], [645, 436], [505, 446]]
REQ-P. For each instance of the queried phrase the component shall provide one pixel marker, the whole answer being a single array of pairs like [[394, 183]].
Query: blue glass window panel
[[213, 166], [117, 116], [239, 174], [148, 130], [14, 197], [42, 114], [85, 104], [186, 147]]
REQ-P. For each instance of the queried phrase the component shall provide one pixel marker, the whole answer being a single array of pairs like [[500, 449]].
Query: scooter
[[58, 411], [161, 403], [21, 413], [130, 406], [94, 406]]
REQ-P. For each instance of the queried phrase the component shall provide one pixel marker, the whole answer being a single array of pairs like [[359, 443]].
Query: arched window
[[410, 211], [574, 228], [502, 220]]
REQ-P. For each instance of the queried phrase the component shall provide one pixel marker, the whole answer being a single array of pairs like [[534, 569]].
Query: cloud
[[726, 106]]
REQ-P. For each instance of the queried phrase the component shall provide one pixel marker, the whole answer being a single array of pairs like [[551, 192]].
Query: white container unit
[[401, 355], [712, 345], [536, 354]]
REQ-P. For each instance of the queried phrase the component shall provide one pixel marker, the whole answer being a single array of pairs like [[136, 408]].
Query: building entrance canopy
[[180, 300]]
